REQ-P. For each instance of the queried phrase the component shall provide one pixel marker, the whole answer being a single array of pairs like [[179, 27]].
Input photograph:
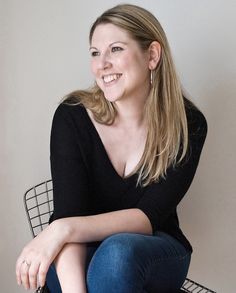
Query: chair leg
[[43, 289]]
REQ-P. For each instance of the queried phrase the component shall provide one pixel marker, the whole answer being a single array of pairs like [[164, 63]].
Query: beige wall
[[43, 51]]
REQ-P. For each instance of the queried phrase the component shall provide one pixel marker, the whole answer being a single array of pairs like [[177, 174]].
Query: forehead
[[109, 33]]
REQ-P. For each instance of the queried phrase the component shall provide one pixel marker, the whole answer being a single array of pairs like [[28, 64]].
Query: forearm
[[98, 227], [70, 267]]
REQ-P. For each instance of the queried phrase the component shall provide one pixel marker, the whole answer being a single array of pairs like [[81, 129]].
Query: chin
[[112, 97]]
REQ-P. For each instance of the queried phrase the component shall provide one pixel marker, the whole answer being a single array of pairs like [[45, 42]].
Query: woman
[[123, 155]]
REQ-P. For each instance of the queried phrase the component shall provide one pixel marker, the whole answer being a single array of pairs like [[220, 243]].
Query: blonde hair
[[167, 134]]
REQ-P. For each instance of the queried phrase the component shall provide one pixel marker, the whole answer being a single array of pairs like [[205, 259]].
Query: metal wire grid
[[38, 202], [191, 286]]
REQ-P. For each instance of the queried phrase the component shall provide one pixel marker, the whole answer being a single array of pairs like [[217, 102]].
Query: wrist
[[62, 229]]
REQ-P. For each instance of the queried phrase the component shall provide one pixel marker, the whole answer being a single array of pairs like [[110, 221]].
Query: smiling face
[[119, 65]]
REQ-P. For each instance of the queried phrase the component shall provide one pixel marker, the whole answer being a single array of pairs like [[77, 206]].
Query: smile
[[111, 77]]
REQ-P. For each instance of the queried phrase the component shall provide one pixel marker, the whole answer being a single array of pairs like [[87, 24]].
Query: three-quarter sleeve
[[159, 200], [69, 172]]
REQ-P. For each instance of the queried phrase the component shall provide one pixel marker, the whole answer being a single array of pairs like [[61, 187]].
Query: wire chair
[[38, 202]]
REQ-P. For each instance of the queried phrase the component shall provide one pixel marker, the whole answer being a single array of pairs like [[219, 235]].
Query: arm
[[71, 197], [70, 191], [98, 227], [70, 266], [70, 175]]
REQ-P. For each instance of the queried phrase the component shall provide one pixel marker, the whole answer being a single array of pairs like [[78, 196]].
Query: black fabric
[[86, 183]]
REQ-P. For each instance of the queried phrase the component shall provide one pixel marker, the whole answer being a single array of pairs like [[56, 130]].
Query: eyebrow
[[124, 43]]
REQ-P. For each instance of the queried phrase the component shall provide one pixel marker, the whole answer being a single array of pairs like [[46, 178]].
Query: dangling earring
[[151, 77]]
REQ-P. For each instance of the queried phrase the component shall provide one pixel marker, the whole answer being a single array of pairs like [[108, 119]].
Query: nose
[[104, 61]]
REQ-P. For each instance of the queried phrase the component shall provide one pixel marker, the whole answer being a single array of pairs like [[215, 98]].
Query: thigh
[[138, 263]]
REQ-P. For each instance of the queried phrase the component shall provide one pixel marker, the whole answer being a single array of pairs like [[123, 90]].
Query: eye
[[94, 53], [115, 49]]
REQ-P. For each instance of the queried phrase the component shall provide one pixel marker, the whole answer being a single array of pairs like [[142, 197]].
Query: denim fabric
[[133, 263]]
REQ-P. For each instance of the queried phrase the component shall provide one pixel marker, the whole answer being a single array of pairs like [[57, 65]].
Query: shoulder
[[70, 120], [197, 123], [66, 109], [70, 129], [67, 113]]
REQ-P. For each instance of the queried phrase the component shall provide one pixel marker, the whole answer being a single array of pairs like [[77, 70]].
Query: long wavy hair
[[167, 133]]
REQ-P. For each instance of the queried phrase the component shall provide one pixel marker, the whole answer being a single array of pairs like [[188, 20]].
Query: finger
[[42, 273], [18, 267], [33, 274], [24, 274]]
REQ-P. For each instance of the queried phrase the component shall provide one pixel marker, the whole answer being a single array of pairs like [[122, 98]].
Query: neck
[[130, 112]]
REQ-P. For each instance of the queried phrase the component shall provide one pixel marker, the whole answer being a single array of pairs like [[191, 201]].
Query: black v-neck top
[[86, 183]]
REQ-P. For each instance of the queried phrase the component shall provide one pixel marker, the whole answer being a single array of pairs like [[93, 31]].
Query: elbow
[[146, 226]]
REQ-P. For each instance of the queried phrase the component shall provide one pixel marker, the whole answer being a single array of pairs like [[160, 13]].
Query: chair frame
[[38, 202]]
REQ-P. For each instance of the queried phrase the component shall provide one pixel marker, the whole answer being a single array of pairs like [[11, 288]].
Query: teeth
[[111, 77]]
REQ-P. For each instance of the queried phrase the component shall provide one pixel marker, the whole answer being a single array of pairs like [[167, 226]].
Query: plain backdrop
[[44, 55]]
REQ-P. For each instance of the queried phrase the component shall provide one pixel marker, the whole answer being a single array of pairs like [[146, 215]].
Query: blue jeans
[[133, 263]]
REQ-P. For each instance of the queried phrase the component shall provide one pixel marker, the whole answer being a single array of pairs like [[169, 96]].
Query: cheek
[[93, 67], [124, 62], [135, 62]]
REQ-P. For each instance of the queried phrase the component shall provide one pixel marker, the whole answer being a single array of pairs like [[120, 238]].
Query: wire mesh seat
[[38, 202]]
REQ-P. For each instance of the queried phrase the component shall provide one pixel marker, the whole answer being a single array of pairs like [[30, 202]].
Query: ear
[[154, 54]]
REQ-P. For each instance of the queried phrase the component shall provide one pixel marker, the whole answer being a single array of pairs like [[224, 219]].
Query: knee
[[118, 249], [113, 265], [116, 263], [116, 255]]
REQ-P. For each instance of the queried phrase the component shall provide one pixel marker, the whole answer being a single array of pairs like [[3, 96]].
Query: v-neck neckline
[[103, 149]]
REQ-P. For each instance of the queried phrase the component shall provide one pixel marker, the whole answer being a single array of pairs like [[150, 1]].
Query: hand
[[33, 263]]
